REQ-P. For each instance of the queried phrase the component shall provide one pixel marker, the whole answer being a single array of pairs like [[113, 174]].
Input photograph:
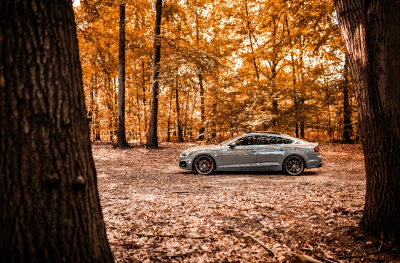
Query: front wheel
[[294, 165], [204, 165]]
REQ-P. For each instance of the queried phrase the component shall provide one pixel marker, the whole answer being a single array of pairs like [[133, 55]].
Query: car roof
[[272, 133], [265, 132]]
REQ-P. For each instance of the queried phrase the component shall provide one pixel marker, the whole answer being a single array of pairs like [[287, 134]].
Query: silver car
[[254, 151]]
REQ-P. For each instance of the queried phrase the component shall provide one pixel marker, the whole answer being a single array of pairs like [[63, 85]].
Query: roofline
[[270, 132]]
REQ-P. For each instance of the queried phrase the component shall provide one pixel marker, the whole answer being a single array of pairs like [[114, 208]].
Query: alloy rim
[[204, 165], [294, 166]]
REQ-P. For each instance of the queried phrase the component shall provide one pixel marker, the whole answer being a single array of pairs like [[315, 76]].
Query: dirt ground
[[156, 212]]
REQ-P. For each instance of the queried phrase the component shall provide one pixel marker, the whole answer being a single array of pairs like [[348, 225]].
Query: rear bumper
[[314, 163]]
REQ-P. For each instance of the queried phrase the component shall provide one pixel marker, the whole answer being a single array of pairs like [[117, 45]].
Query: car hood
[[202, 148]]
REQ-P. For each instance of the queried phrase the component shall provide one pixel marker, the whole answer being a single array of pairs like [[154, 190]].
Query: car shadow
[[251, 173]]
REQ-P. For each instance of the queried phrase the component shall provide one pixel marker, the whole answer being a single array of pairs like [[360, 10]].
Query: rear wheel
[[204, 164], [294, 165]]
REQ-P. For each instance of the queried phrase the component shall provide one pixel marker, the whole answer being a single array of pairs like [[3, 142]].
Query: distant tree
[[178, 115], [371, 33], [201, 86], [271, 61], [121, 136], [50, 209], [152, 139]]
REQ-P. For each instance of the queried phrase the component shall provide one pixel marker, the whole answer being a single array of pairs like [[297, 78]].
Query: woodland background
[[226, 67]]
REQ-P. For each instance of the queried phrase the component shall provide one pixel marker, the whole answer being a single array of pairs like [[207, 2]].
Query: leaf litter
[[156, 212]]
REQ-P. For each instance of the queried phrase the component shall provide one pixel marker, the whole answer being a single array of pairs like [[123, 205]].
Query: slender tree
[[201, 86], [152, 139], [178, 114], [121, 136], [50, 209], [371, 33]]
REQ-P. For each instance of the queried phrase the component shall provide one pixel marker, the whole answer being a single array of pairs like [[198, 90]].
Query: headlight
[[183, 154]]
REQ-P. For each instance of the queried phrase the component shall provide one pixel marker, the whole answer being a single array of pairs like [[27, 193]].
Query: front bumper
[[185, 163]]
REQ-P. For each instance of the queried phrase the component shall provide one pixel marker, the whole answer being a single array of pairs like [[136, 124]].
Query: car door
[[240, 155], [270, 152]]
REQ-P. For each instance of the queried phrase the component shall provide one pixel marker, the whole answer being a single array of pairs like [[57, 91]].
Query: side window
[[267, 140], [241, 141], [273, 140], [264, 140], [247, 140], [283, 141], [260, 140]]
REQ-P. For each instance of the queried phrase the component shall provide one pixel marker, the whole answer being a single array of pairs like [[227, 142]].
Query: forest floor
[[156, 212]]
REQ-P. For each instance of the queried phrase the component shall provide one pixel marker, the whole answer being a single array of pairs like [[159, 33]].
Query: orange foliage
[[273, 65]]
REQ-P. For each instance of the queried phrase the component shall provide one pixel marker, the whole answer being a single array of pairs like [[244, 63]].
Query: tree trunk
[[152, 140], [121, 136], [143, 99], [50, 209], [201, 86], [169, 116], [202, 108], [249, 32], [371, 32], [347, 127], [178, 114], [96, 117]]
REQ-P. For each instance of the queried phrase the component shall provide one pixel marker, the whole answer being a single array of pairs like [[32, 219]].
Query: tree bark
[[152, 140], [144, 102], [249, 32], [201, 86], [202, 108], [50, 209], [169, 116], [371, 33], [347, 127], [121, 136], [178, 114]]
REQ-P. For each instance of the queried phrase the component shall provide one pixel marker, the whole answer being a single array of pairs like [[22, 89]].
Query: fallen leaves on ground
[[156, 212]]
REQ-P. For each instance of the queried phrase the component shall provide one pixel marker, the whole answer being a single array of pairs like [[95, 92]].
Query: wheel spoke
[[204, 165], [294, 166]]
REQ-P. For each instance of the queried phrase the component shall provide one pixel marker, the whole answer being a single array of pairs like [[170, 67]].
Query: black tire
[[204, 165], [294, 165]]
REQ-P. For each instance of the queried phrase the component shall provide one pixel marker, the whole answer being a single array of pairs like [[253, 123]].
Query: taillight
[[316, 149]]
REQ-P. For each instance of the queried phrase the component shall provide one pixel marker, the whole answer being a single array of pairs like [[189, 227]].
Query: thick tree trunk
[[50, 209], [152, 139], [347, 127], [371, 32], [121, 136]]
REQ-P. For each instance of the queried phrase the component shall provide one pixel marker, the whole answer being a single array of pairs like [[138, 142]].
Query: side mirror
[[232, 145]]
